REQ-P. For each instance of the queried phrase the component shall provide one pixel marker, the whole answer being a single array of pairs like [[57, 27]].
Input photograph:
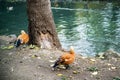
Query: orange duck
[[66, 59], [23, 38]]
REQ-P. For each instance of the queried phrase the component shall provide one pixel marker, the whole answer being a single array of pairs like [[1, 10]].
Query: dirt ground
[[32, 63]]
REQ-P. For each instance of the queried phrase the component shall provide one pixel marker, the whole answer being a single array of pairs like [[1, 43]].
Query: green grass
[[116, 78], [92, 69]]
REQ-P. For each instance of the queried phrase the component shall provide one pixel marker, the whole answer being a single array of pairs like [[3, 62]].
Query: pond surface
[[91, 27]]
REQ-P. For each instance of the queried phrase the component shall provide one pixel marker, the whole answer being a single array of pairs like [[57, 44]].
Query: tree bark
[[41, 28]]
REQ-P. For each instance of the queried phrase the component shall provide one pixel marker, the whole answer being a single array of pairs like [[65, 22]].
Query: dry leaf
[[59, 74], [38, 57], [10, 47], [93, 60], [113, 67], [51, 65], [75, 72], [109, 64], [52, 61]]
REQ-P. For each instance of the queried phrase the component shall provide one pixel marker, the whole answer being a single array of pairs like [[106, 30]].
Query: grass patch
[[92, 69], [116, 78]]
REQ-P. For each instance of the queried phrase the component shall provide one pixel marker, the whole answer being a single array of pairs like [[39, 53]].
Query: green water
[[91, 27]]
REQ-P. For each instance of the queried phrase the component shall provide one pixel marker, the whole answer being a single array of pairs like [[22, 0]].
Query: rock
[[94, 73], [13, 36], [109, 54]]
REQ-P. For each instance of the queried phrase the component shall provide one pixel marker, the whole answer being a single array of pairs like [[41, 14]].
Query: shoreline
[[26, 63]]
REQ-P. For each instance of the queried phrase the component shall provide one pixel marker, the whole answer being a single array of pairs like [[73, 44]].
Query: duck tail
[[57, 62], [17, 43]]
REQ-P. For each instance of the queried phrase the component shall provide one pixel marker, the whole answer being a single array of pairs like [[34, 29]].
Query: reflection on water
[[13, 18], [91, 27]]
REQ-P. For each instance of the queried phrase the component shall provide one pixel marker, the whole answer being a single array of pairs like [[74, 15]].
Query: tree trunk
[[41, 28]]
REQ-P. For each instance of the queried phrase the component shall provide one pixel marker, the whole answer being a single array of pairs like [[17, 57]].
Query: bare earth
[[24, 63]]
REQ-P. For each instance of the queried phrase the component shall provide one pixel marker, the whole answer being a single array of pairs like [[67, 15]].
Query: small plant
[[92, 69], [116, 78], [63, 78]]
